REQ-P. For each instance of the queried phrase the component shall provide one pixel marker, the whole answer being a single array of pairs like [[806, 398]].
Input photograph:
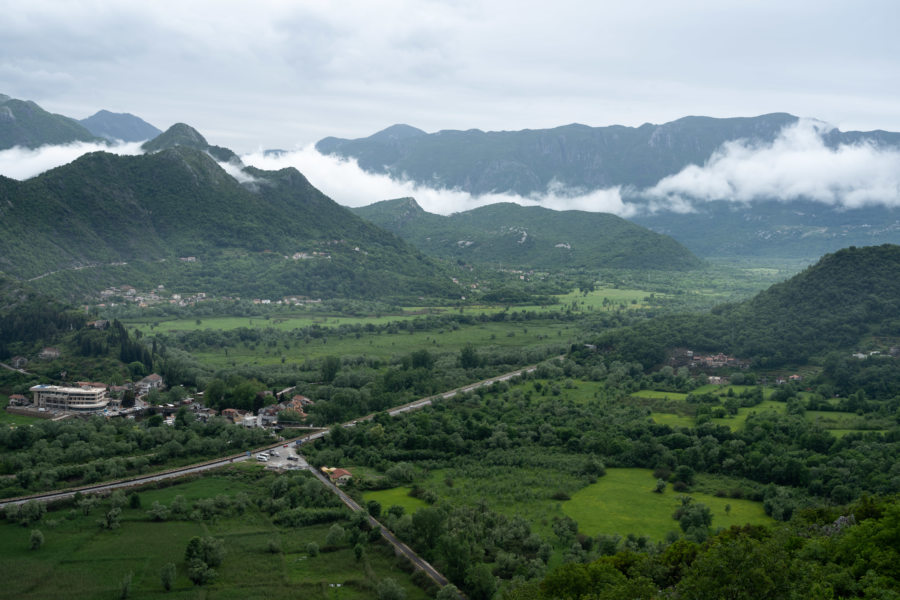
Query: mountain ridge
[[530, 237], [178, 201], [119, 126]]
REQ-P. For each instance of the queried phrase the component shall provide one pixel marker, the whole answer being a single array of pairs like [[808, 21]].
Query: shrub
[[388, 589], [167, 576], [125, 586], [36, 540], [312, 549]]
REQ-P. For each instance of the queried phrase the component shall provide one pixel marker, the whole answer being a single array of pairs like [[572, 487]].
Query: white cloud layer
[[796, 165], [24, 163], [346, 183]]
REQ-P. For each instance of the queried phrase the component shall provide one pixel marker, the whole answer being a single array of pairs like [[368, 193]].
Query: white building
[[56, 397]]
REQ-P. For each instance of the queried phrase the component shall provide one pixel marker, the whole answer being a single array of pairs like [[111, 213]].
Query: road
[[400, 547], [279, 459], [221, 462]]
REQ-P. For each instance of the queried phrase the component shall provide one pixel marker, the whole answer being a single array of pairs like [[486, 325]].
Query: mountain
[[119, 126], [528, 161], [181, 134], [530, 237], [846, 298], [24, 123], [799, 229], [577, 156], [585, 159], [272, 235]]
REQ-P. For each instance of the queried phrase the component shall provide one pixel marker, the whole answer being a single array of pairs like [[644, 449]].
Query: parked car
[[262, 458]]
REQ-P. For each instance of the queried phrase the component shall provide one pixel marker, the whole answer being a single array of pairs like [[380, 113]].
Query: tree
[[312, 549], [330, 367], [388, 589], [660, 486], [167, 576], [335, 535], [422, 359], [111, 519], [468, 357], [207, 549], [480, 582], [199, 572], [158, 512], [565, 529], [36, 540], [448, 592], [358, 552], [374, 508], [125, 586], [274, 545], [117, 499], [32, 512]]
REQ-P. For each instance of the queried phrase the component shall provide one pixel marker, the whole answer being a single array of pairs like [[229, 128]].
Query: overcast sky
[[282, 74]]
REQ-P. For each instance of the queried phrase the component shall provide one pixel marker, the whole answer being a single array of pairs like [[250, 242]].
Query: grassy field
[[81, 560], [673, 420], [740, 419], [623, 501], [386, 345], [11, 419], [395, 496], [653, 394], [523, 491], [601, 299]]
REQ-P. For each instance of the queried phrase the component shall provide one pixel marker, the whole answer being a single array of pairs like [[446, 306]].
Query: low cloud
[[237, 171], [25, 163], [348, 184], [796, 165]]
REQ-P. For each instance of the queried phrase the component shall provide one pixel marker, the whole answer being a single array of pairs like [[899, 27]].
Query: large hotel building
[[55, 397]]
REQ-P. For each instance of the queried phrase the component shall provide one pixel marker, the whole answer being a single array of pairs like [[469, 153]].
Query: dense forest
[[833, 305]]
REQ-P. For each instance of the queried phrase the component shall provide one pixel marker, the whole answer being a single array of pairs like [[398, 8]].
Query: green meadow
[[623, 502], [655, 395], [7, 418], [398, 496], [599, 299], [386, 345], [740, 419], [673, 419], [81, 560]]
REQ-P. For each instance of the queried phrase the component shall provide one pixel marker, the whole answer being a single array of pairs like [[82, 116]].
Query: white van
[[262, 458]]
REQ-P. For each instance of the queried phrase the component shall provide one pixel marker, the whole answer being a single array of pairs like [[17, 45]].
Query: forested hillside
[[530, 237], [833, 305], [274, 232], [24, 123]]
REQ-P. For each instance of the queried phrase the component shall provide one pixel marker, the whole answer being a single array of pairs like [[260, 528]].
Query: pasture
[[600, 299], [7, 418], [623, 502], [398, 496], [499, 335], [81, 560]]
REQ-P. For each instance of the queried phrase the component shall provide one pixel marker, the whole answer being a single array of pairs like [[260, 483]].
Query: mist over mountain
[[119, 126], [574, 156], [530, 237], [770, 185], [272, 231]]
